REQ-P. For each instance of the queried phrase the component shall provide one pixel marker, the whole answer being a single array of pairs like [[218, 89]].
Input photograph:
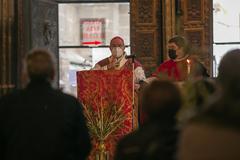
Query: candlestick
[[188, 66]]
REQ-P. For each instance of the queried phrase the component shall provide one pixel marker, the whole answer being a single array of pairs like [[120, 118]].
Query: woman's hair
[[181, 42]]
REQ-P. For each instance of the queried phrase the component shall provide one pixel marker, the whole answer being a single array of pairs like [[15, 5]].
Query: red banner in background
[[98, 89]]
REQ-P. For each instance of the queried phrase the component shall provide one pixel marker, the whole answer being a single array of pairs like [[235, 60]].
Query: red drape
[[99, 89]]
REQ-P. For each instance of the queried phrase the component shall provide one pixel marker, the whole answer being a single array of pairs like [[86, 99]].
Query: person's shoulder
[[136, 136], [183, 59], [129, 139], [67, 101], [167, 62], [64, 96], [103, 62], [137, 63]]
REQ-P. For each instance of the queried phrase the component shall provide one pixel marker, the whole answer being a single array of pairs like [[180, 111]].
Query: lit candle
[[188, 66]]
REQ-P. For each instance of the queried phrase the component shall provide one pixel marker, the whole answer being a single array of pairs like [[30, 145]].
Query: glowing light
[[188, 66]]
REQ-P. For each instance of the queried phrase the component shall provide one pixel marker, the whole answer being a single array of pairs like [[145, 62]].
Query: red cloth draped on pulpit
[[100, 89]]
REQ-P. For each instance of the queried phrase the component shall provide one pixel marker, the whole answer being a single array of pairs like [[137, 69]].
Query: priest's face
[[117, 47], [179, 50]]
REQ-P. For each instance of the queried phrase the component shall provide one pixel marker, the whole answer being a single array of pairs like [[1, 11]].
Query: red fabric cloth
[[168, 68], [98, 89]]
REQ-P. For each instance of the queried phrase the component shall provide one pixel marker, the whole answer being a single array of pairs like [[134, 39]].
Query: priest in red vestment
[[177, 67], [118, 61]]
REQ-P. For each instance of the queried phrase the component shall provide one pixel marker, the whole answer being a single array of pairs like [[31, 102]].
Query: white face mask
[[117, 52]]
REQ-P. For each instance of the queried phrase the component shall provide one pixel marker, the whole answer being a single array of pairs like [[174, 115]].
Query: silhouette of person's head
[[161, 100], [40, 65], [228, 74]]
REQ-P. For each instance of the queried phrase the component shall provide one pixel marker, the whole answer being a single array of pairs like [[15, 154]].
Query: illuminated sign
[[92, 31]]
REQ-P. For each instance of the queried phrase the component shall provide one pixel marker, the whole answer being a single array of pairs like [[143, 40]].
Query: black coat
[[40, 123]]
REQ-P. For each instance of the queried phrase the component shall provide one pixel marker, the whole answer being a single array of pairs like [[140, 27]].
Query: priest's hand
[[112, 64], [136, 86]]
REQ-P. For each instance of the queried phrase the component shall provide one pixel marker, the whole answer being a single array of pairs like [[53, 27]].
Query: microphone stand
[[133, 92], [132, 57]]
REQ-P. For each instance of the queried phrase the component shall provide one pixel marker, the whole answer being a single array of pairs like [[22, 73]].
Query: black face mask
[[172, 54]]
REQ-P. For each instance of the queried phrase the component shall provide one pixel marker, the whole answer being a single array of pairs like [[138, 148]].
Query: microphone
[[130, 56]]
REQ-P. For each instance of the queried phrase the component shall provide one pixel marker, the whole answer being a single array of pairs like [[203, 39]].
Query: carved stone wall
[[146, 30], [37, 27], [44, 27]]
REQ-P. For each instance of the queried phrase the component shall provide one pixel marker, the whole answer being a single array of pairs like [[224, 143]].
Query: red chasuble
[[169, 69], [173, 70]]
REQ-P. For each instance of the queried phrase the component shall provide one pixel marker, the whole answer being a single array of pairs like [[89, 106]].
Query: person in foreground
[[39, 122], [157, 138], [215, 133]]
